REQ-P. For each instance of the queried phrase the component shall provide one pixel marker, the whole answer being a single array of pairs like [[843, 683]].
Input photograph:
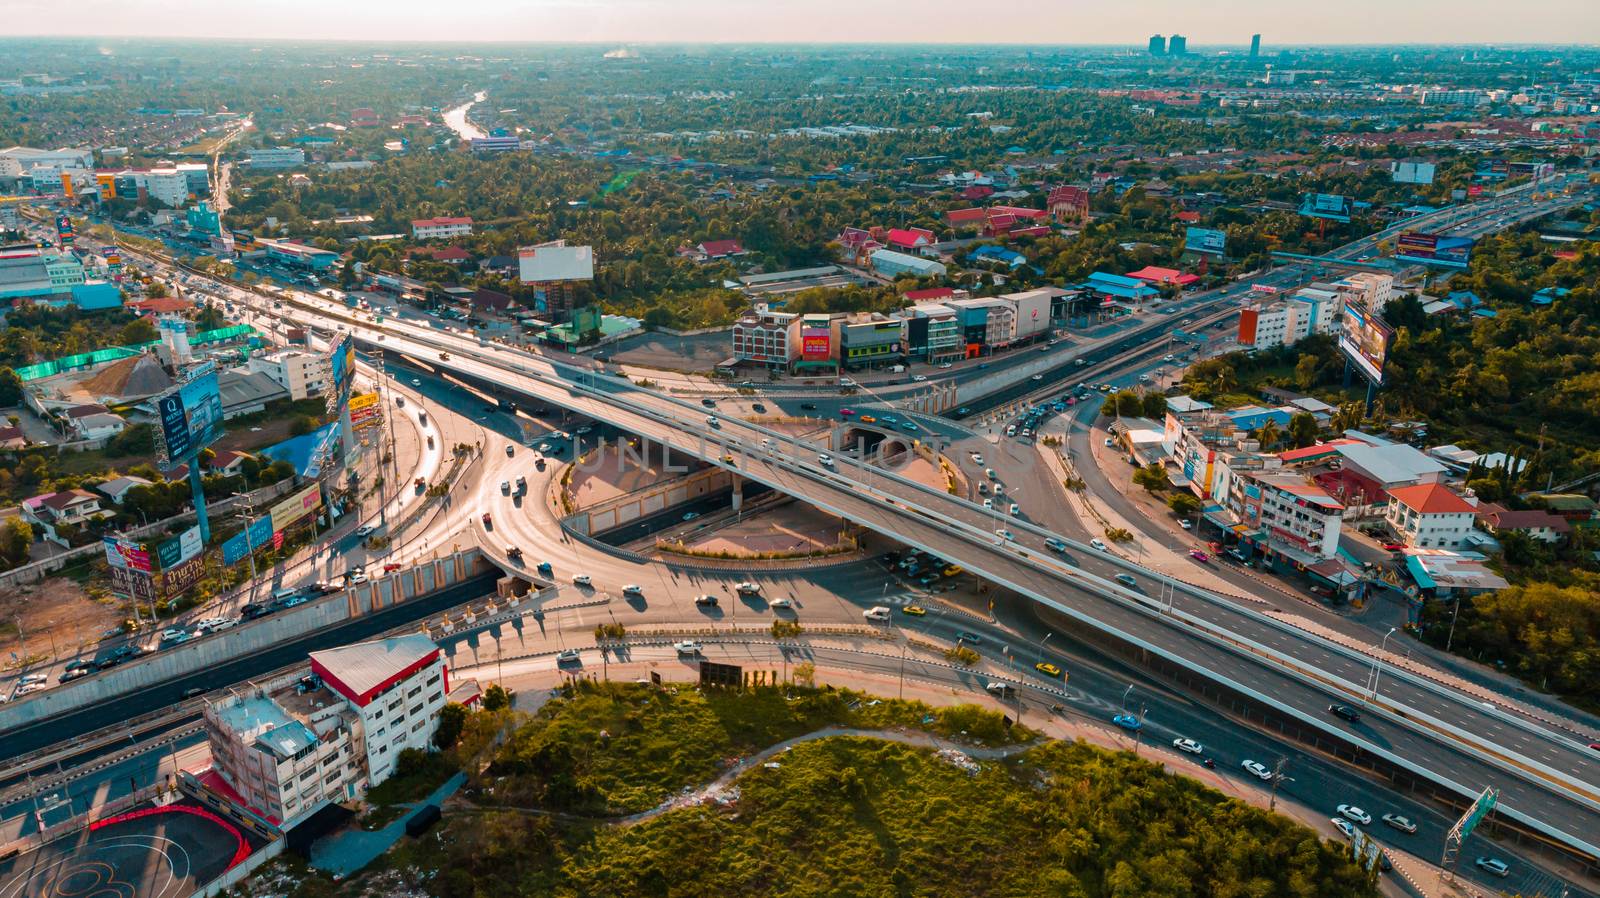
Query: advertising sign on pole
[[255, 536], [341, 370], [364, 410], [816, 343], [125, 554], [190, 417], [1205, 240], [1364, 339], [1433, 249], [132, 584], [180, 548], [179, 579], [296, 507], [1331, 206]]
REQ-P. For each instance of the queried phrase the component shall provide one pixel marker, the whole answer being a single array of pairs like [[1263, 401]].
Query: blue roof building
[[1120, 287], [1549, 295], [1008, 257]]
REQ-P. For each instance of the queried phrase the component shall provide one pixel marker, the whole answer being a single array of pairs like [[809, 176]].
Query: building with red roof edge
[[1431, 515], [284, 749], [1068, 205], [440, 228]]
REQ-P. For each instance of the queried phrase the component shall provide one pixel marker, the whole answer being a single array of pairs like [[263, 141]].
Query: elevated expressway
[[1549, 779]]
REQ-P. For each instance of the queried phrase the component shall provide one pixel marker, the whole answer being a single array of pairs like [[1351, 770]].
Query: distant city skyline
[[1031, 22]]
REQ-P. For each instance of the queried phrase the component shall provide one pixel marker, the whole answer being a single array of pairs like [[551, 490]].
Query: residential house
[[911, 238], [229, 462], [1430, 515], [11, 438], [116, 489], [711, 250], [1536, 523], [99, 426], [73, 506]]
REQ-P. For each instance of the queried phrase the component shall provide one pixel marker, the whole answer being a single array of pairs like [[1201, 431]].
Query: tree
[[1152, 477], [10, 388], [805, 673], [452, 718], [1183, 504], [496, 698], [1305, 371], [16, 541], [1154, 406], [139, 330], [1302, 430], [302, 425], [1269, 434]]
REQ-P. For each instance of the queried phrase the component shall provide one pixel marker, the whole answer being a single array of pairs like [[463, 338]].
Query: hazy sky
[[1204, 22]]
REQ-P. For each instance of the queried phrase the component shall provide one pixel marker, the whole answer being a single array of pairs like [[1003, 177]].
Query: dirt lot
[[701, 352], [55, 611], [789, 527]]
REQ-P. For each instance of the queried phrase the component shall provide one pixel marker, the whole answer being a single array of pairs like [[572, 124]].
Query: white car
[[1188, 745], [976, 458], [1005, 535], [566, 655], [173, 633], [505, 487], [920, 378], [1354, 814], [1016, 509], [1184, 523], [1256, 770], [1096, 543], [1343, 826], [687, 647], [31, 679], [632, 589], [748, 588], [988, 503], [581, 580], [366, 530], [876, 612], [780, 603], [946, 365], [1038, 377]]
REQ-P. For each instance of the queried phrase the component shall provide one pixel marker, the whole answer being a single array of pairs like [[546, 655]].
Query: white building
[[283, 749], [1372, 289], [276, 157], [302, 373], [1430, 516], [167, 185], [1284, 322], [440, 228], [17, 161], [396, 686], [889, 263]]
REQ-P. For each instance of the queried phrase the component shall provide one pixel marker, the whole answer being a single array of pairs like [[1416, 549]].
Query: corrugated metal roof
[[366, 665]]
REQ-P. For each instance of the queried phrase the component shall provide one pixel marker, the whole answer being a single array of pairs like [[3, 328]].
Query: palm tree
[[1269, 434]]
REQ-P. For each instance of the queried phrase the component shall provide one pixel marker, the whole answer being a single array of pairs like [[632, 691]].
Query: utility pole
[[1277, 777]]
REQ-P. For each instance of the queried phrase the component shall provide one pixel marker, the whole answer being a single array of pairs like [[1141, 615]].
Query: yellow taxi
[[913, 610], [1048, 669]]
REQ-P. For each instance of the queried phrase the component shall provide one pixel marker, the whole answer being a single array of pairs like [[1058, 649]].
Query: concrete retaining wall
[[245, 639], [614, 513]]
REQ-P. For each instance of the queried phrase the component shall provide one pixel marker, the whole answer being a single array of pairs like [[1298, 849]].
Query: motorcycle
[[1209, 763]]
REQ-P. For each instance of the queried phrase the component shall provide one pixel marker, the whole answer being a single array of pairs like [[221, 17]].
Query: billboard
[[64, 225], [1325, 205], [1364, 339], [555, 261], [295, 507], [254, 536], [179, 549], [180, 578], [1411, 172], [585, 321], [131, 584], [364, 410], [341, 370], [1433, 249], [190, 417], [816, 343], [125, 554], [1204, 240]]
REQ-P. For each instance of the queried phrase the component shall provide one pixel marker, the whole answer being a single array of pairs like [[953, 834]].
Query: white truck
[[897, 369]]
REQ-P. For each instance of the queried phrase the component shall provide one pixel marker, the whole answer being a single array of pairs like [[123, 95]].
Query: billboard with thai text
[[1364, 339], [816, 343], [296, 507], [1434, 249]]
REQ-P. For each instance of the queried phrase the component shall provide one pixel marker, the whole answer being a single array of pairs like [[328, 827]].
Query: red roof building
[[932, 294], [719, 249], [1068, 204], [1155, 275], [966, 218], [159, 305], [910, 238]]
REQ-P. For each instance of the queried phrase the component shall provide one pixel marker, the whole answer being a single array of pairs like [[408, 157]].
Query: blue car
[[1127, 722]]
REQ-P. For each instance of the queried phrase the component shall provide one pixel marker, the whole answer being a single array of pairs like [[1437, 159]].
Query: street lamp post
[[1377, 661], [1041, 645]]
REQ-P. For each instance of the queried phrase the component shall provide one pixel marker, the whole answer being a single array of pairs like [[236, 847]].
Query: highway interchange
[[1076, 587]]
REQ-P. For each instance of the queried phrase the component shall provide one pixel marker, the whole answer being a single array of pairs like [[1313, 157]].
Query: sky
[[1124, 22]]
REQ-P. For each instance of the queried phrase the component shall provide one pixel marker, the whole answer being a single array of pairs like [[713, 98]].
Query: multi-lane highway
[[1547, 776]]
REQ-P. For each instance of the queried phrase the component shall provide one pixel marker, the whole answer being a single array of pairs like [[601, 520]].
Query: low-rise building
[[302, 373], [1430, 515], [765, 337], [870, 340], [116, 489], [1536, 523], [276, 157], [99, 426], [74, 506], [891, 264], [442, 228]]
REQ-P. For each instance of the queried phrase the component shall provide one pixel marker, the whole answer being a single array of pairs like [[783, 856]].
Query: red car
[[390, 568], [846, 412], [1395, 547], [1199, 556], [488, 519]]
